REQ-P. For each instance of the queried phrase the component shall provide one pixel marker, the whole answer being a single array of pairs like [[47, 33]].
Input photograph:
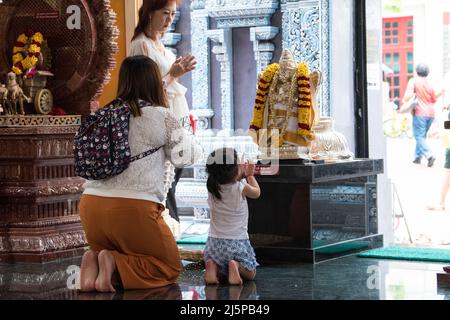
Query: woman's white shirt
[[142, 45], [144, 178]]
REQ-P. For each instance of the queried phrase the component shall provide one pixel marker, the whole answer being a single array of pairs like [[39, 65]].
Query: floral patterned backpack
[[101, 148]]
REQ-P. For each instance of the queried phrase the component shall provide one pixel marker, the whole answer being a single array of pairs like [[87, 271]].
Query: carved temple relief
[[227, 14], [262, 48], [305, 26], [305, 32], [222, 48]]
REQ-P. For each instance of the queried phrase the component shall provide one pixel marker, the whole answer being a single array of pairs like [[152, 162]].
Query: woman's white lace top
[[144, 178]]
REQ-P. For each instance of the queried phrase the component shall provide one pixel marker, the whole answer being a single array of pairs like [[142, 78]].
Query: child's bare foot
[[247, 274], [234, 278], [106, 265], [88, 271], [211, 272]]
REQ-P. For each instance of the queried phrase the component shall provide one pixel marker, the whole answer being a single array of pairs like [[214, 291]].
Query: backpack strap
[[141, 104], [144, 154]]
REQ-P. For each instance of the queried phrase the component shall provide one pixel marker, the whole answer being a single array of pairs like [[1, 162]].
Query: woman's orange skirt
[[141, 243]]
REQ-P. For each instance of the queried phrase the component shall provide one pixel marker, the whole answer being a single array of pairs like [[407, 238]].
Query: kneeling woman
[[130, 244]]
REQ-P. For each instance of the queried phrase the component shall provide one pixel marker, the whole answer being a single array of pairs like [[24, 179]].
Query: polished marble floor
[[347, 278]]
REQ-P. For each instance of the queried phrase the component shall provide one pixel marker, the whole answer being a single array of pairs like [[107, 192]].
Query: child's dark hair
[[140, 78], [222, 168]]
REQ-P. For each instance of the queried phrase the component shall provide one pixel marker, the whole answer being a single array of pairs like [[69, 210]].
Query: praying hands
[[182, 65]]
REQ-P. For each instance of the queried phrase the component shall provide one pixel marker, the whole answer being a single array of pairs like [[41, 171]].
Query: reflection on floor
[[345, 278]]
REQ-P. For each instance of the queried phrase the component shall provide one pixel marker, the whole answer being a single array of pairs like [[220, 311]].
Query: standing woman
[[155, 18]]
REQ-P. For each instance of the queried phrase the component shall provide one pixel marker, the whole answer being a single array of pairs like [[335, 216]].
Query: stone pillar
[[262, 48], [306, 34], [200, 75], [39, 192], [222, 48]]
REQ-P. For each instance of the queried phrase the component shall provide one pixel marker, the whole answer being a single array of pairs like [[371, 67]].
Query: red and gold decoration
[[26, 53], [300, 88], [305, 108], [261, 96]]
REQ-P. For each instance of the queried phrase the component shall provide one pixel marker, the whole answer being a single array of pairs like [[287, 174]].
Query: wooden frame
[[131, 19]]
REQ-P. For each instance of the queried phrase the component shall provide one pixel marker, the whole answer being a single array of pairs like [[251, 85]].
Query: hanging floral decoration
[[305, 108], [261, 96], [300, 83], [26, 53]]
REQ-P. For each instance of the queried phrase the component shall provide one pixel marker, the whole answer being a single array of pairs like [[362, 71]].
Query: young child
[[228, 251]]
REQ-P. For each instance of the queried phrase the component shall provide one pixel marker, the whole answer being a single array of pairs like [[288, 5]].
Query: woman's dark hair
[[140, 78], [222, 168], [422, 70], [148, 6]]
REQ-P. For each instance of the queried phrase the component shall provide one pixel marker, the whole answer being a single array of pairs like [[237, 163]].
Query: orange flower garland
[[24, 59], [305, 109], [261, 96]]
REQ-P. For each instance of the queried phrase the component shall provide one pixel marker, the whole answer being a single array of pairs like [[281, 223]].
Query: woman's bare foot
[[211, 272], [106, 265], [234, 278], [88, 271]]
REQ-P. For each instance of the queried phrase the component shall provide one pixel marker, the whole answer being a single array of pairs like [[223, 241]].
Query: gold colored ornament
[[31, 47]]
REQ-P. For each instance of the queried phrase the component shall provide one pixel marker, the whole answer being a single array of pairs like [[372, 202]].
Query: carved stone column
[[223, 50], [262, 48], [39, 192], [200, 75], [305, 33]]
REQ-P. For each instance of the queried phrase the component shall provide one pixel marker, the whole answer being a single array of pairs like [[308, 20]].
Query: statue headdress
[[287, 60]]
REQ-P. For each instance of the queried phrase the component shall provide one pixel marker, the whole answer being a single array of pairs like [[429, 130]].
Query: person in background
[[445, 185], [423, 113], [155, 19]]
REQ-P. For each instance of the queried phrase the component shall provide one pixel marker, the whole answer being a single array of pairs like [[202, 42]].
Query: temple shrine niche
[[60, 54], [320, 202], [303, 27]]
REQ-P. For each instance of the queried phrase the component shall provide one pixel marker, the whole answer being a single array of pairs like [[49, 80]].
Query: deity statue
[[286, 118], [285, 110]]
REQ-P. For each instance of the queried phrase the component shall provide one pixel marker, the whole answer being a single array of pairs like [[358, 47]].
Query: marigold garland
[[23, 64], [261, 95], [305, 109], [304, 104]]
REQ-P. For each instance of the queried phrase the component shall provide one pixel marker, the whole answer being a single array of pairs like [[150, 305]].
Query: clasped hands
[[182, 65]]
